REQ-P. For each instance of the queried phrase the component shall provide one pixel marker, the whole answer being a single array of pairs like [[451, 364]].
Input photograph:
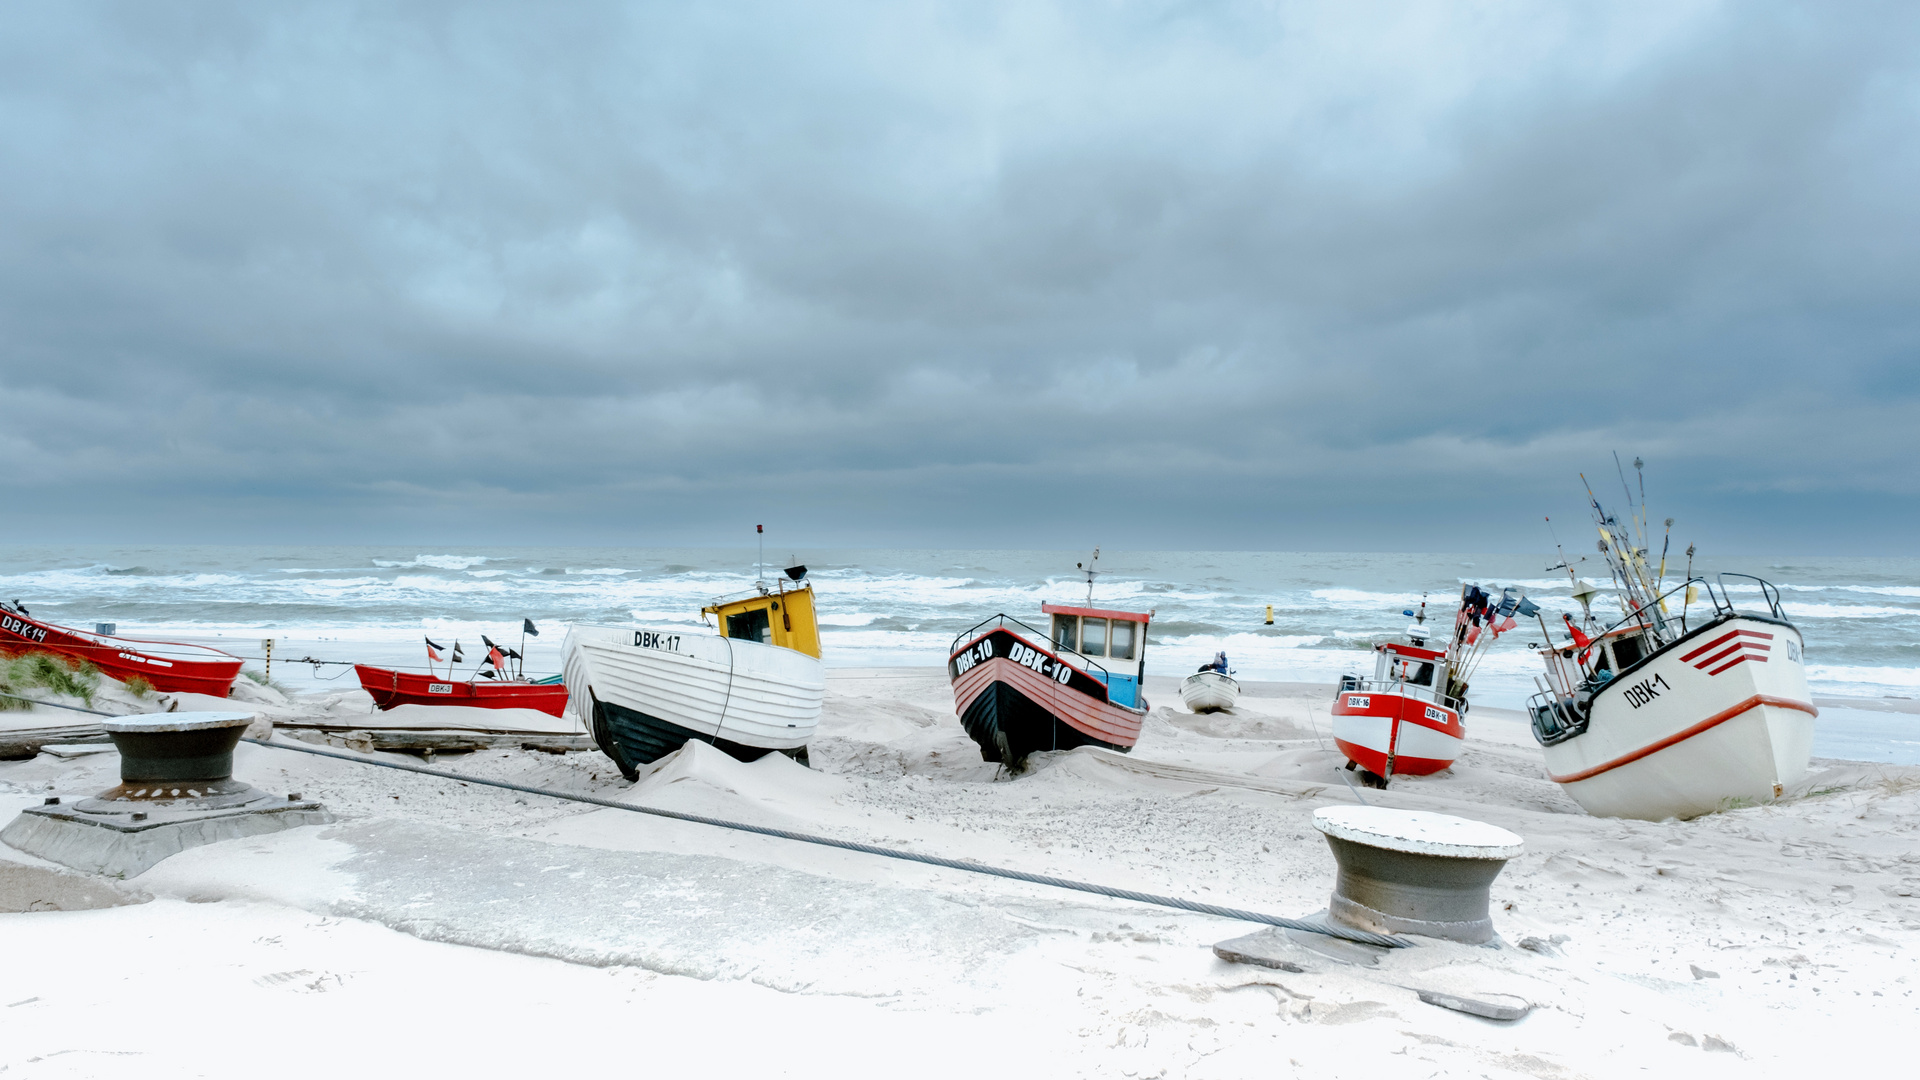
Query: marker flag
[[527, 627], [433, 650]]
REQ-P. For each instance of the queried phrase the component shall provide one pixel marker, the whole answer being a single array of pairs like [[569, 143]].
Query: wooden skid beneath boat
[[367, 741], [18, 744]]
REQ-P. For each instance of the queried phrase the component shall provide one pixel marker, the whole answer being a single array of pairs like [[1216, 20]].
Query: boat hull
[[168, 667], [1720, 718], [391, 689], [644, 693], [1209, 691], [1422, 738], [1016, 699]]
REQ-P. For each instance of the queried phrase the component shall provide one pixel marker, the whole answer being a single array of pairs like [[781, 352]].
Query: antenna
[[1087, 569], [760, 560]]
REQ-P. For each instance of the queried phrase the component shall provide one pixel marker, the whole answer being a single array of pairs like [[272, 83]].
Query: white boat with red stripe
[[1689, 704], [1667, 714], [1407, 719], [1399, 723], [1020, 691]]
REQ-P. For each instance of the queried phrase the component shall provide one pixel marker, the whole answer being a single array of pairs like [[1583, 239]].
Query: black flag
[[527, 627], [457, 658]]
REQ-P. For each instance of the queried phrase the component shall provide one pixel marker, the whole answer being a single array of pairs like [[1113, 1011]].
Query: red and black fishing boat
[[170, 667], [392, 688], [1019, 691]]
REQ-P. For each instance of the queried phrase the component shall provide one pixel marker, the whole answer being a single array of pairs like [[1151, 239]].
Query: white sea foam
[[438, 562]]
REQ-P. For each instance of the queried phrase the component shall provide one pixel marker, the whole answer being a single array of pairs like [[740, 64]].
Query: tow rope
[[1365, 937]]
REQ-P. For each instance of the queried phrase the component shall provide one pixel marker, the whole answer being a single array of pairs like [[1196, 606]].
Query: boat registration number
[[1356, 702], [1041, 662], [138, 659], [439, 688], [654, 639], [1436, 715], [25, 630]]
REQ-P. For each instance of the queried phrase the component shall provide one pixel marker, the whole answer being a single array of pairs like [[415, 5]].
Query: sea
[[1290, 616]]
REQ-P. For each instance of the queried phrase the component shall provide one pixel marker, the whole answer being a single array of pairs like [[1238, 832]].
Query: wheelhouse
[[1110, 639], [776, 615]]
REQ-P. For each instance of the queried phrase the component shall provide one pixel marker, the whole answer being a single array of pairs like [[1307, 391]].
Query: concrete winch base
[[116, 847], [176, 792], [1414, 872], [1394, 892]]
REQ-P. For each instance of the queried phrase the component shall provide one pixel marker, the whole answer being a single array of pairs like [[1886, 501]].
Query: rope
[[57, 705], [1382, 940]]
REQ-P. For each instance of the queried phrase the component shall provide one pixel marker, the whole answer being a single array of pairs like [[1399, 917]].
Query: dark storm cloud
[[1193, 275]]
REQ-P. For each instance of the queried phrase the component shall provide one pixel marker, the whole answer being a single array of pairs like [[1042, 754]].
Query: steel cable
[[1328, 929]]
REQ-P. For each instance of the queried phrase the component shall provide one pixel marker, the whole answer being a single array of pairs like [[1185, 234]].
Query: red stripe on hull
[[1402, 714], [1099, 720], [1681, 736], [1375, 761], [395, 688]]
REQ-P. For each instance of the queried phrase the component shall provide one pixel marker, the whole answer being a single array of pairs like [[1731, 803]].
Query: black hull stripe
[[1000, 709], [633, 738]]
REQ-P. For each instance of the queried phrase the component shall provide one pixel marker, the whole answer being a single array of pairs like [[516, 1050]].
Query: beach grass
[[47, 673]]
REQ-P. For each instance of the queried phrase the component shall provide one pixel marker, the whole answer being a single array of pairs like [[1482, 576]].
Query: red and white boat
[[1407, 719], [1019, 691], [394, 688], [170, 667], [1674, 713]]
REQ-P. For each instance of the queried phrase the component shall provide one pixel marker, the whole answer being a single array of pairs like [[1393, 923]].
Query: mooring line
[[1362, 936]]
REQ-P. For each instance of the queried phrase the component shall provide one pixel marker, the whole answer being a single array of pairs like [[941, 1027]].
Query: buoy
[[1269, 614]]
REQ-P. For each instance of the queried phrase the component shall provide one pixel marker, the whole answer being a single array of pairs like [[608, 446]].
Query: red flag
[[1579, 638], [433, 653], [494, 657]]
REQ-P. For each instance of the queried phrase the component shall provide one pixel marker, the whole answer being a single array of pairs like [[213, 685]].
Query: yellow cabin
[[783, 616]]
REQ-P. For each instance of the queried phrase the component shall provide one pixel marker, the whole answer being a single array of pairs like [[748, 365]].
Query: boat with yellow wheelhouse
[[753, 688]]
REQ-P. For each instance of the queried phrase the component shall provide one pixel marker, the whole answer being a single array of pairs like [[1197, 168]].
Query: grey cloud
[[1354, 275]]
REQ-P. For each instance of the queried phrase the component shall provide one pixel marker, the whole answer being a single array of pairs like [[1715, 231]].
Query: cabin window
[[1626, 652], [1066, 631], [1122, 640], [1093, 637], [751, 626], [1419, 674]]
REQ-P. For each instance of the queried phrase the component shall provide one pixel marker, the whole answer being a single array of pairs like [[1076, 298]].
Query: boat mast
[[1087, 569]]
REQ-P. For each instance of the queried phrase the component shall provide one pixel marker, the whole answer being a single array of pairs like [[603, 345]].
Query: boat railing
[[1656, 616], [1556, 717], [1396, 686], [1007, 621], [1723, 600], [1659, 618]]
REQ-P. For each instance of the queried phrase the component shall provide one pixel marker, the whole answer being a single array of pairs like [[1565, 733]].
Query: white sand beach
[[446, 927]]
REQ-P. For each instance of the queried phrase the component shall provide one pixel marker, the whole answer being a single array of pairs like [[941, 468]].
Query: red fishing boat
[[1408, 719], [170, 667], [391, 688]]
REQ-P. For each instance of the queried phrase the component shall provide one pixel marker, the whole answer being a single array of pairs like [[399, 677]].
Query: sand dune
[[1769, 937]]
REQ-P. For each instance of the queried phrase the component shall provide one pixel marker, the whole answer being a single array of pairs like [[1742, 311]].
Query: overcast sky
[[1192, 275]]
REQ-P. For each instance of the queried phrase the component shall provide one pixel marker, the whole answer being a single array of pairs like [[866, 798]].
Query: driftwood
[[18, 744], [429, 743]]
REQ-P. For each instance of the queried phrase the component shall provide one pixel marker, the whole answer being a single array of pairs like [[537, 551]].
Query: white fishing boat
[[754, 688], [1209, 690], [1692, 702]]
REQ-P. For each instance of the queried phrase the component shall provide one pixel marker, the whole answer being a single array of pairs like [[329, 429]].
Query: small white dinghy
[[755, 688], [1208, 690]]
